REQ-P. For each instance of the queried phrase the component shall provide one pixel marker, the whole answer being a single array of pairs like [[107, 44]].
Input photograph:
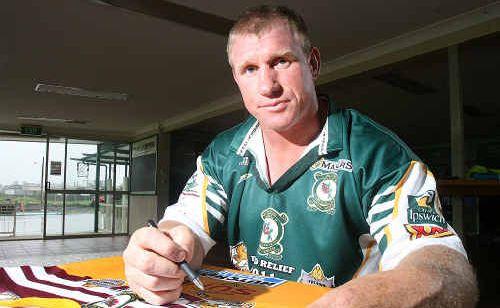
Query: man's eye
[[249, 69], [282, 63]]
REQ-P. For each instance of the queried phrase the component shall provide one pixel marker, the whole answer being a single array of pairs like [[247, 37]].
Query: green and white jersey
[[358, 201]]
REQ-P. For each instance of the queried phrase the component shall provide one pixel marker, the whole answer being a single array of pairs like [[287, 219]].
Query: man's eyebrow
[[287, 54], [284, 54]]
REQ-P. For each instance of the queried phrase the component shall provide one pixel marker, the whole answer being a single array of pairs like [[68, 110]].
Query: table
[[222, 286]]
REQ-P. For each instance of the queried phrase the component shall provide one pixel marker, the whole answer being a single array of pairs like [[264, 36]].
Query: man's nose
[[268, 83]]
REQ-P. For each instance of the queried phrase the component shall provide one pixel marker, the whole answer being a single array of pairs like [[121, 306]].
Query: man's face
[[275, 77]]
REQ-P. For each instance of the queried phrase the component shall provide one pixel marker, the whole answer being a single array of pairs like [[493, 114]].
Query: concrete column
[[457, 133], [163, 172]]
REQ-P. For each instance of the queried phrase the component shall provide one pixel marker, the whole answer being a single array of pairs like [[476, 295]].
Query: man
[[306, 192]]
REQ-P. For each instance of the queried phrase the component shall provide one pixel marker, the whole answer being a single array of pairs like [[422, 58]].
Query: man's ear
[[314, 62]]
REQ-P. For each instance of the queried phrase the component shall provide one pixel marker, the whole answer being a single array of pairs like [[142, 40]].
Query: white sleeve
[[202, 206], [407, 216]]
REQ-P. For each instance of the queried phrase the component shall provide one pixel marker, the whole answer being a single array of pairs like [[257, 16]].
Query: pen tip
[[199, 284]]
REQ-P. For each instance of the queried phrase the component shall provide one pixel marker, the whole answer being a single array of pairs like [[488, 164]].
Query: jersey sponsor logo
[[419, 231], [103, 283], [244, 177], [272, 233], [421, 210], [332, 165], [316, 277], [239, 256], [323, 193], [282, 268], [242, 278]]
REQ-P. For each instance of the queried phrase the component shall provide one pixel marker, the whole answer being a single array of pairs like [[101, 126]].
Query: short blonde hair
[[258, 19]]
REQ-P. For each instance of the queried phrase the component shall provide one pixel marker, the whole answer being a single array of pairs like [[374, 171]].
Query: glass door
[[55, 170], [86, 188], [22, 165]]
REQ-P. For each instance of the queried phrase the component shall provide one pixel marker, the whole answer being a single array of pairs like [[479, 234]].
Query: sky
[[23, 162]]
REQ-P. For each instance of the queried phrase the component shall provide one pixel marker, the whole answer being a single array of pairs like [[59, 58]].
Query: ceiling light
[[47, 88], [53, 120]]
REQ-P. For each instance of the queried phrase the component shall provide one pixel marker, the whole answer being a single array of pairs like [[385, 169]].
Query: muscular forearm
[[434, 276], [447, 271]]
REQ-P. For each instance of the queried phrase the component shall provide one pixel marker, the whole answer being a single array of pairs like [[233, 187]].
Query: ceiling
[[168, 69]]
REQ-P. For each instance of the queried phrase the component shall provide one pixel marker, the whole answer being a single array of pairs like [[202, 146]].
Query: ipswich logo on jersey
[[422, 210]]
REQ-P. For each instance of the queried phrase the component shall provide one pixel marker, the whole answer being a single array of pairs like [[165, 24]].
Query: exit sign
[[32, 130]]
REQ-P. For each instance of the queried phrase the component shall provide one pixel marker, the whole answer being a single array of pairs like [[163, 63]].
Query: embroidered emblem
[[323, 193], [317, 277], [239, 256], [421, 210], [272, 233], [103, 283]]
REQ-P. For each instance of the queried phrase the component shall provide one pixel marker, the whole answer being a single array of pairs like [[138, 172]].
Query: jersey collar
[[329, 140]]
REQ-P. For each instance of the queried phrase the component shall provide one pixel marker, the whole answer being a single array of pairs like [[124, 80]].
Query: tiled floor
[[59, 251]]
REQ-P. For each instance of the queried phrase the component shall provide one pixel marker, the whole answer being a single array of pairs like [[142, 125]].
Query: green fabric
[[370, 157]]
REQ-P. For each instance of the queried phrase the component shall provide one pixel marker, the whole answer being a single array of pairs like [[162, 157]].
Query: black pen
[[192, 275]]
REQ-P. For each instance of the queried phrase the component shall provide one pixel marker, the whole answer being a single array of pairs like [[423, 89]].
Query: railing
[[8, 219]]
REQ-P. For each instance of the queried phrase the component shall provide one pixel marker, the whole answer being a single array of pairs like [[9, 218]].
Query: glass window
[[121, 213], [56, 163], [122, 167], [79, 214], [81, 165], [105, 213]]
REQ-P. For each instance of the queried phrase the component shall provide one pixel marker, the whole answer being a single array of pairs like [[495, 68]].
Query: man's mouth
[[274, 106]]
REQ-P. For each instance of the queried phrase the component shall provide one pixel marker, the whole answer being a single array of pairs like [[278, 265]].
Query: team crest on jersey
[[418, 231], [317, 277], [323, 193], [422, 210], [104, 283], [272, 233], [239, 256]]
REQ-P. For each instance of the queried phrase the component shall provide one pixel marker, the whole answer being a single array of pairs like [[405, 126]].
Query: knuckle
[[177, 283], [145, 262], [175, 271], [153, 284]]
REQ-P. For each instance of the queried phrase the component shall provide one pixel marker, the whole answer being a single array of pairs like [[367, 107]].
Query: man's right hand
[[151, 259]]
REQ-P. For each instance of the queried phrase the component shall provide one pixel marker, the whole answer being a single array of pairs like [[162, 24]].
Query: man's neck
[[284, 149]]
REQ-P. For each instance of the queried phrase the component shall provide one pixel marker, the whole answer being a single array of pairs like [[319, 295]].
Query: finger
[[151, 263], [155, 240], [156, 297], [184, 238], [150, 282]]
